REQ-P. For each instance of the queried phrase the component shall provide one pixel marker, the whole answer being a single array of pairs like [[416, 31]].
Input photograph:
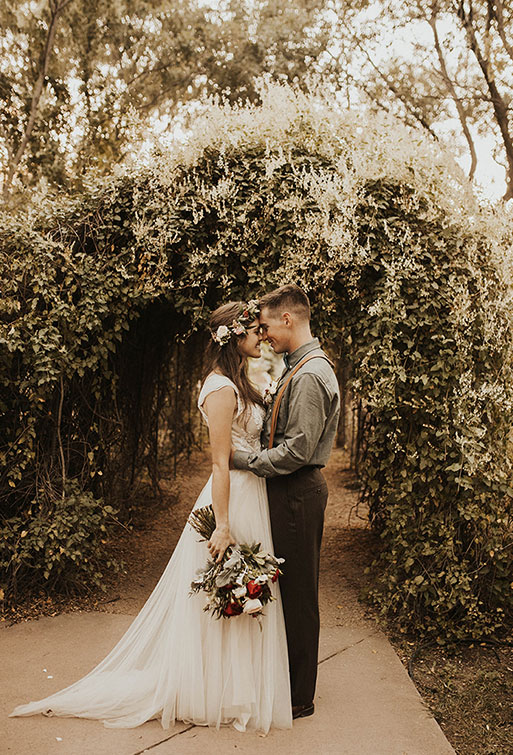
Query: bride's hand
[[219, 542]]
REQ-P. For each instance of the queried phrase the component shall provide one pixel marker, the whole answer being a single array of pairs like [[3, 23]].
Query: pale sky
[[490, 177]]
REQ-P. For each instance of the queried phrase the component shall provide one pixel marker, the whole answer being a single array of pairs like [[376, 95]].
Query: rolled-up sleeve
[[308, 408]]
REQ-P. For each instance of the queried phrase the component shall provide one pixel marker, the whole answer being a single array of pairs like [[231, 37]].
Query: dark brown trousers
[[296, 503]]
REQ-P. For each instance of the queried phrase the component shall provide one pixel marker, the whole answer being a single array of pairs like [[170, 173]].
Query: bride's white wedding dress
[[176, 662]]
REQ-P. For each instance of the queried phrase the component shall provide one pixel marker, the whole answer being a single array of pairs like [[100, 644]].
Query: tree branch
[[450, 86], [418, 116], [496, 10], [59, 437]]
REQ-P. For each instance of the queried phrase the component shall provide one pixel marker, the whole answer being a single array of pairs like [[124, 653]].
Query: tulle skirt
[[176, 662]]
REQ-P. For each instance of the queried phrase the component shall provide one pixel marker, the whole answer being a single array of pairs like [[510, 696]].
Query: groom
[[297, 437]]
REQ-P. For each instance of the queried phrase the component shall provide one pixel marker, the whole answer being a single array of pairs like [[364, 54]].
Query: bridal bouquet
[[240, 583]]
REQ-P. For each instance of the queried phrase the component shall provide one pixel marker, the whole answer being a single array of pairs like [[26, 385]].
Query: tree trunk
[[500, 107]]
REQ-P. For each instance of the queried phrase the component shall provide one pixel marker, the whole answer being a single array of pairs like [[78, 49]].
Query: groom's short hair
[[288, 297]]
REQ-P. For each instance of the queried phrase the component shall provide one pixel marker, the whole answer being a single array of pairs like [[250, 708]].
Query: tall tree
[[445, 64], [79, 78], [15, 153]]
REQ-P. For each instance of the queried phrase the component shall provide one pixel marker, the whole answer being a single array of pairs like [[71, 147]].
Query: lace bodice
[[246, 425]]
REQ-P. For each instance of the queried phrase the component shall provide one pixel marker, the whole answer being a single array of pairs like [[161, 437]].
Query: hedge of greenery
[[409, 279], [96, 385]]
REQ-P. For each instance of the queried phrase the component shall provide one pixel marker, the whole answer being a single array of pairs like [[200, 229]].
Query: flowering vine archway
[[408, 280]]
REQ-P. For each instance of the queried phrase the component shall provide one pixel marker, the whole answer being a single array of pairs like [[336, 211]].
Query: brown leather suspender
[[279, 395]]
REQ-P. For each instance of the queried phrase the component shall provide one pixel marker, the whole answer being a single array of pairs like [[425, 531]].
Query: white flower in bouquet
[[242, 581], [253, 605]]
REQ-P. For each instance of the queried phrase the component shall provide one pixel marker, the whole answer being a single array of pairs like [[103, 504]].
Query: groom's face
[[275, 329]]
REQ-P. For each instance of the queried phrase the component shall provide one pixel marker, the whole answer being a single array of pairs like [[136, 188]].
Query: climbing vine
[[106, 296]]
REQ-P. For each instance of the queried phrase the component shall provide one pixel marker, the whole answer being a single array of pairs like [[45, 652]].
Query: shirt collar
[[294, 357]]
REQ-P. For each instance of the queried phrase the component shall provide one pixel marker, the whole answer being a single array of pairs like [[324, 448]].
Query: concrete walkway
[[366, 704]]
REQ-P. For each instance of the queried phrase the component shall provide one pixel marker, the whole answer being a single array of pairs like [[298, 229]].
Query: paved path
[[366, 703]]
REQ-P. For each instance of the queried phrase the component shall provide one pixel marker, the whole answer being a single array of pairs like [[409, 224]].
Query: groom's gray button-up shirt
[[307, 420]]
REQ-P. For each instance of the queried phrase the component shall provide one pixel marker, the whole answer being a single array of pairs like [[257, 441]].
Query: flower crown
[[248, 312]]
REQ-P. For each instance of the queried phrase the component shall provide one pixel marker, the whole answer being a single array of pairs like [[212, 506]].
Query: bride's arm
[[219, 407]]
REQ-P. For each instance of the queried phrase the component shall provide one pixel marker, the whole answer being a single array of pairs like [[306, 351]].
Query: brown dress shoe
[[301, 711]]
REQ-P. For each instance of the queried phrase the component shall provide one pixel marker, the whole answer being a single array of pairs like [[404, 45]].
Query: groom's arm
[[308, 409]]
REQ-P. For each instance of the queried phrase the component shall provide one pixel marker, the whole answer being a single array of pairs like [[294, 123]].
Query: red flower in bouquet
[[241, 582], [232, 609], [253, 588]]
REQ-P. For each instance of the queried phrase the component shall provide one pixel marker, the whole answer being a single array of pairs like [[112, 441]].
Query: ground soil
[[468, 689]]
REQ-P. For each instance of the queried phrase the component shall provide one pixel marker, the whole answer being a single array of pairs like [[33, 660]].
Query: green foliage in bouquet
[[241, 581], [105, 300]]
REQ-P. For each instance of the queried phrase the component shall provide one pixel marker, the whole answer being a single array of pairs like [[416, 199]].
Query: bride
[[176, 662]]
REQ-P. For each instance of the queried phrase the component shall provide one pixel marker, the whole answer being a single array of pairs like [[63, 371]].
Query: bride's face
[[249, 346]]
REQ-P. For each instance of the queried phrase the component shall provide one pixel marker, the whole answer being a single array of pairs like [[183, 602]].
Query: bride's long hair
[[227, 359]]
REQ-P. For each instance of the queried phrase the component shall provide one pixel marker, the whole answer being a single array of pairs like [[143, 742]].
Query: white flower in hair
[[248, 313], [238, 328], [222, 334]]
